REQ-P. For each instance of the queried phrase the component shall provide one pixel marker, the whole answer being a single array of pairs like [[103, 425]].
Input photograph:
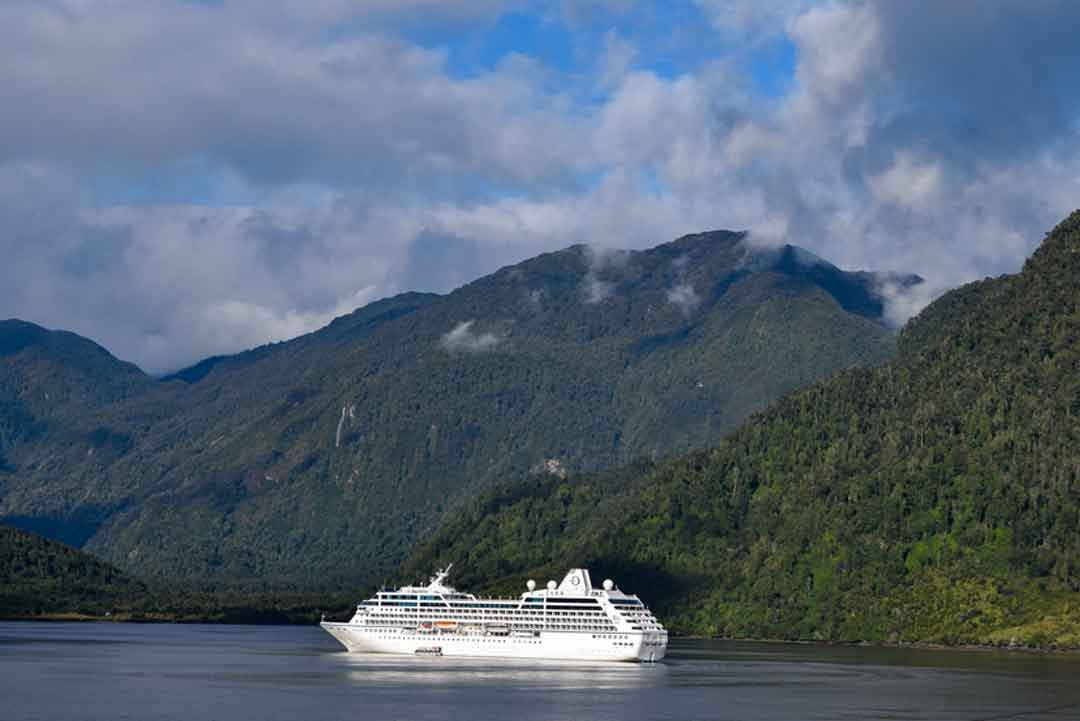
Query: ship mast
[[440, 575]]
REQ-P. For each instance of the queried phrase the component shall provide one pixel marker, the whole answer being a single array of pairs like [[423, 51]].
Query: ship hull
[[548, 645]]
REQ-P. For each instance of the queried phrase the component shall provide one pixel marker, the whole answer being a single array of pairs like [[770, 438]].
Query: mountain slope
[[934, 498], [59, 395], [318, 462], [40, 576]]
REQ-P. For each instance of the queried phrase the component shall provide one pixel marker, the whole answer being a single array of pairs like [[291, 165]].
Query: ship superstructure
[[569, 620]]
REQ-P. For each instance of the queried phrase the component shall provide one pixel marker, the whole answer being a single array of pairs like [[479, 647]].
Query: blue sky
[[185, 177]]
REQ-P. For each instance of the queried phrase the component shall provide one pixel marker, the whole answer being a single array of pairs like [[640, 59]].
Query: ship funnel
[[576, 581]]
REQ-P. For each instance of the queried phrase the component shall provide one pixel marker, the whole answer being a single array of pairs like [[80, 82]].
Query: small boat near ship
[[572, 620]]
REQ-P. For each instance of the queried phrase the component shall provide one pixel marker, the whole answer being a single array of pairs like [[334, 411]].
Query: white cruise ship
[[570, 621]]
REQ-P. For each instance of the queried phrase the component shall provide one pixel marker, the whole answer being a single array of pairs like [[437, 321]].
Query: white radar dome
[[530, 584], [608, 584], [551, 585]]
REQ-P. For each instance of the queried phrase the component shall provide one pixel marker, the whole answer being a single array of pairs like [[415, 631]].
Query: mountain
[[933, 498], [40, 576], [60, 395], [317, 463]]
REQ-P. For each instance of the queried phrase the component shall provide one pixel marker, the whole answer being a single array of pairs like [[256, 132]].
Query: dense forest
[[935, 498], [315, 464], [39, 576], [44, 579]]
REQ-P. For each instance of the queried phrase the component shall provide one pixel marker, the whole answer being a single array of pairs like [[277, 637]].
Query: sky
[[183, 178]]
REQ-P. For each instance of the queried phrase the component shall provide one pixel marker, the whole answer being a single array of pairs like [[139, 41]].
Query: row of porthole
[[613, 643], [474, 639], [554, 627], [560, 616], [526, 612]]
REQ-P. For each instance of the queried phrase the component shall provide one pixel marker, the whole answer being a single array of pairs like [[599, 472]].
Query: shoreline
[[250, 620], [73, 617], [900, 645]]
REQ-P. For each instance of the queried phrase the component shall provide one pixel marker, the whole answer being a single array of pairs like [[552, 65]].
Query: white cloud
[[462, 339], [909, 183], [770, 232], [748, 141], [753, 16], [596, 290], [839, 50], [367, 109], [619, 56], [904, 301], [682, 294], [318, 159], [227, 323], [684, 297], [166, 285]]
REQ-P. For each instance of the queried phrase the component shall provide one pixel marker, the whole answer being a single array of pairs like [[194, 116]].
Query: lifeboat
[[525, 634], [446, 625], [429, 651]]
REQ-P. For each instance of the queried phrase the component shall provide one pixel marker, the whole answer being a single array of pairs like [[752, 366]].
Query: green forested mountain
[[67, 410], [42, 578], [318, 462], [934, 498], [39, 576]]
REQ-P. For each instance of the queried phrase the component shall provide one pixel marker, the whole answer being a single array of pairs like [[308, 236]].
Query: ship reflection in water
[[383, 670]]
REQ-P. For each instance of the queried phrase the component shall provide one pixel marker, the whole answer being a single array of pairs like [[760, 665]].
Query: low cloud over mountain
[[266, 169]]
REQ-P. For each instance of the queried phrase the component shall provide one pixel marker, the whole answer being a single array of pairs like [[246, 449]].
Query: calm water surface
[[86, 672]]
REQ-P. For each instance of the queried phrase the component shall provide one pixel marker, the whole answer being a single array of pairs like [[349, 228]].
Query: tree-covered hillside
[[67, 410], [934, 498], [317, 463], [40, 576]]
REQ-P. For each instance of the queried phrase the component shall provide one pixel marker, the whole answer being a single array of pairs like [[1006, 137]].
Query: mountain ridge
[[316, 462], [935, 498]]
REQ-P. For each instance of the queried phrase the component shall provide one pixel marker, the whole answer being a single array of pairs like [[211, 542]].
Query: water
[[111, 672]]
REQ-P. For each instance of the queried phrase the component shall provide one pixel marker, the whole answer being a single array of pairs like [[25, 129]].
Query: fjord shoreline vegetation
[[41, 579], [47, 581], [935, 499]]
